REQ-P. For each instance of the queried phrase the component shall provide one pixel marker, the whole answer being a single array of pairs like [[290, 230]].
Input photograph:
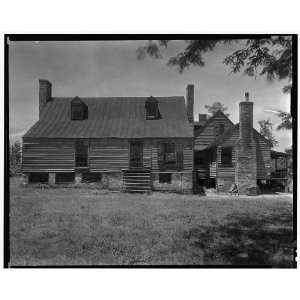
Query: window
[[169, 154], [226, 156], [152, 111], [81, 154], [79, 110], [165, 177], [219, 129]]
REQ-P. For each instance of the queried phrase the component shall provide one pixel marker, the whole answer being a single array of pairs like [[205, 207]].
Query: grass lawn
[[73, 226]]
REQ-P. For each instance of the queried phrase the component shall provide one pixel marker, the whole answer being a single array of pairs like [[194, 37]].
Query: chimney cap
[[45, 81], [247, 96]]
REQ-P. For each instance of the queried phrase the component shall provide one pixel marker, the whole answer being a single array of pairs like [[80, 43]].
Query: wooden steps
[[136, 181]]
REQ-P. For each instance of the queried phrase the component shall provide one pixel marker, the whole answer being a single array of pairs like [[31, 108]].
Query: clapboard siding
[[188, 158], [46, 156], [108, 155], [147, 155], [208, 135]]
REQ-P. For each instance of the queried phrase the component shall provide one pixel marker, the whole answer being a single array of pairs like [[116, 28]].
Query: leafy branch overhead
[[271, 57]]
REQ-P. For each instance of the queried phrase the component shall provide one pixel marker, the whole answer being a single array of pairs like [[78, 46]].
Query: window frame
[[84, 145]]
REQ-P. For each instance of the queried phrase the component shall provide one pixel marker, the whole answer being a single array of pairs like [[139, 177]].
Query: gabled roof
[[113, 117], [211, 119], [229, 132]]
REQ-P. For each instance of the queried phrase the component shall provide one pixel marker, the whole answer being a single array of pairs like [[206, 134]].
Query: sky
[[111, 68]]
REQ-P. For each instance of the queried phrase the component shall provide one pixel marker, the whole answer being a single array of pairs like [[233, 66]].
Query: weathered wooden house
[[143, 143], [130, 143]]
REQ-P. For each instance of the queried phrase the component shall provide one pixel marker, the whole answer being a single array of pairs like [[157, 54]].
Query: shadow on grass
[[247, 241]]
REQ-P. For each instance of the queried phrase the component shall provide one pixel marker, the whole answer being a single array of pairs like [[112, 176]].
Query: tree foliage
[[15, 158], [212, 109], [266, 128], [286, 120], [270, 57]]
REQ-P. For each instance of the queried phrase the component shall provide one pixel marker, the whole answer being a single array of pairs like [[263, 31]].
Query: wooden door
[[136, 155]]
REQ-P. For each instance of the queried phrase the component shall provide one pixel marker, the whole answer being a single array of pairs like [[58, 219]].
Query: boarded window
[[79, 110], [226, 156], [38, 177], [91, 177], [64, 177], [165, 177], [81, 154], [152, 110]]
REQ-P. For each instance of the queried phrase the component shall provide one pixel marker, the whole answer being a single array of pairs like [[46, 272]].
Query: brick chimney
[[45, 94], [246, 169], [190, 102], [202, 118]]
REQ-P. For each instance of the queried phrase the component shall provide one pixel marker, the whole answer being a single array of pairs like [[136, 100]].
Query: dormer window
[[152, 111], [79, 110]]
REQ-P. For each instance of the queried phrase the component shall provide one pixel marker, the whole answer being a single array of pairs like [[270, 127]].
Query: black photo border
[[126, 37]]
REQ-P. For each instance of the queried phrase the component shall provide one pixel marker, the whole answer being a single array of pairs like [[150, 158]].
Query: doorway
[[136, 155]]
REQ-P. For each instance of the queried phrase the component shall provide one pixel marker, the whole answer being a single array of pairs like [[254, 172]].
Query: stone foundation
[[224, 183], [52, 178], [25, 179], [78, 177], [180, 182], [112, 181]]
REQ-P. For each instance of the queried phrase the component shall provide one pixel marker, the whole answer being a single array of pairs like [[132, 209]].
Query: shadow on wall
[[247, 241]]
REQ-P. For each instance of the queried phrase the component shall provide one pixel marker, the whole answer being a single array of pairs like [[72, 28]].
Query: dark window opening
[[64, 177], [165, 177], [170, 154], [79, 110], [226, 156], [91, 177], [219, 129], [152, 111], [38, 177], [81, 154]]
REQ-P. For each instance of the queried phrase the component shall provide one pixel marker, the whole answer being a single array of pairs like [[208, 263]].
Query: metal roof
[[113, 117]]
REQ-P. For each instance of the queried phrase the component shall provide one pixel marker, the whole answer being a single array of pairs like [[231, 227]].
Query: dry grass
[[70, 226]]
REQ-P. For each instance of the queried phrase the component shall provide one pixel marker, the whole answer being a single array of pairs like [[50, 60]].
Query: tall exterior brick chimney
[[45, 94], [246, 169], [190, 102]]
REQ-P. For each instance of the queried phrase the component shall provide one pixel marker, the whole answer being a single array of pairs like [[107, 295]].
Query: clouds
[[111, 69]]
